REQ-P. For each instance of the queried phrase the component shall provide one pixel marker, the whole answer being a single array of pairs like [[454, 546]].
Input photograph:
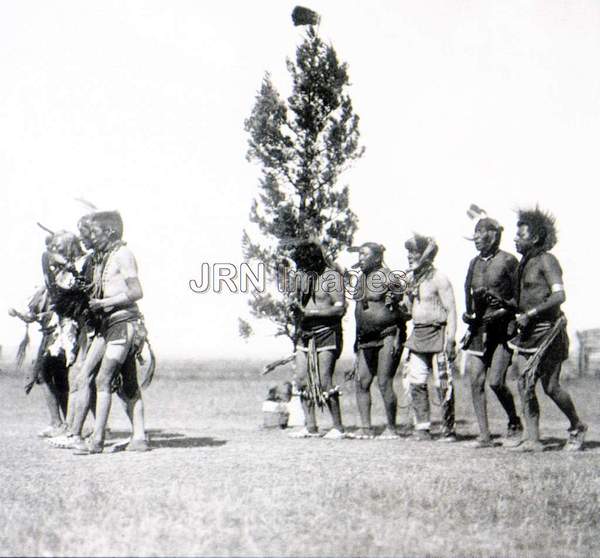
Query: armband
[[557, 288]]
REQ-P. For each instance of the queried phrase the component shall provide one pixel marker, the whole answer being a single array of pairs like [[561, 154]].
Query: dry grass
[[216, 484]]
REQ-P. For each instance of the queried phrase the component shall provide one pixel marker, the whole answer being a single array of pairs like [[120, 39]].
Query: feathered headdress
[[475, 212], [481, 217], [304, 16], [541, 224]]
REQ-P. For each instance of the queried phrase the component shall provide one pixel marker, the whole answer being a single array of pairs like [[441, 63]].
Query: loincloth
[[124, 327], [485, 339], [528, 341], [111, 325], [427, 338], [375, 339], [326, 338]]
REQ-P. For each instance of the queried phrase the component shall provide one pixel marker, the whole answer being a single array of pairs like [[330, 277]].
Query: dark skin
[[525, 242], [381, 362], [486, 242], [323, 304]]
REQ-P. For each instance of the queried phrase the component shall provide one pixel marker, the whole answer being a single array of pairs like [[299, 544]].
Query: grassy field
[[218, 484]]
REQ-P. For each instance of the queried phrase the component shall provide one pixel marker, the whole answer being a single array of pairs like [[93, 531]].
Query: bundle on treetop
[[305, 16]]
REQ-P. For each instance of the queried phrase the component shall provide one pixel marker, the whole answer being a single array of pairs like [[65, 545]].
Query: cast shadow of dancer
[[162, 439], [552, 443]]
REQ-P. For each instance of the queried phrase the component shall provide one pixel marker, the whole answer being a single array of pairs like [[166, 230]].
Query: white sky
[[140, 106]]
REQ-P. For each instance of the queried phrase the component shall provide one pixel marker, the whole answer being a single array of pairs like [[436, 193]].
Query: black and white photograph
[[299, 280]]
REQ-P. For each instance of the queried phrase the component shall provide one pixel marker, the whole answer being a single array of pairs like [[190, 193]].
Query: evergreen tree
[[302, 145]]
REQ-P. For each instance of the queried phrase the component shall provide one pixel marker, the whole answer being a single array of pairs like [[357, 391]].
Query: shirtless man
[[320, 307], [117, 288], [542, 329], [490, 291], [431, 345], [380, 335]]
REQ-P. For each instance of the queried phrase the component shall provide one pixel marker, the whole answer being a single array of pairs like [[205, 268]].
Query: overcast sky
[[139, 106]]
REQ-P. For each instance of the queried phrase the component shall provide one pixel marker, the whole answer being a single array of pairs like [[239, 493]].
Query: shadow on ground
[[161, 439], [557, 444]]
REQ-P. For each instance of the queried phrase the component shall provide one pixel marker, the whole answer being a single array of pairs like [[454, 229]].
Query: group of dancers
[[93, 334], [512, 310]]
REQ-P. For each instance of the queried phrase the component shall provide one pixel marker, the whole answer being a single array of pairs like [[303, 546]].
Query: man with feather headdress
[[119, 330], [542, 343], [490, 309]]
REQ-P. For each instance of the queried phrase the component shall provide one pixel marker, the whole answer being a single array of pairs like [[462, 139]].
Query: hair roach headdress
[[541, 224]]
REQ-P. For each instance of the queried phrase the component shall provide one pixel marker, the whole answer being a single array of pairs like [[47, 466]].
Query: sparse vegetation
[[217, 484]]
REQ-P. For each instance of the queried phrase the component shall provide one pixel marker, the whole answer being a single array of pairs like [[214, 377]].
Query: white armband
[[557, 288]]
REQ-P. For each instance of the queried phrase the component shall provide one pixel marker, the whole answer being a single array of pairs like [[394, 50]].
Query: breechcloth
[[326, 338], [376, 339], [119, 332], [528, 342]]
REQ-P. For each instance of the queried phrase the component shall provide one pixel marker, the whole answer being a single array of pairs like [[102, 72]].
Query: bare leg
[[531, 408], [83, 384], [386, 370], [307, 405], [364, 378], [497, 378], [52, 402], [562, 399], [476, 370], [131, 396], [115, 354], [327, 361]]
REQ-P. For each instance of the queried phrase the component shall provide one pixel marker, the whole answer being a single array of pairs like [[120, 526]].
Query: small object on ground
[[275, 414], [447, 437]]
